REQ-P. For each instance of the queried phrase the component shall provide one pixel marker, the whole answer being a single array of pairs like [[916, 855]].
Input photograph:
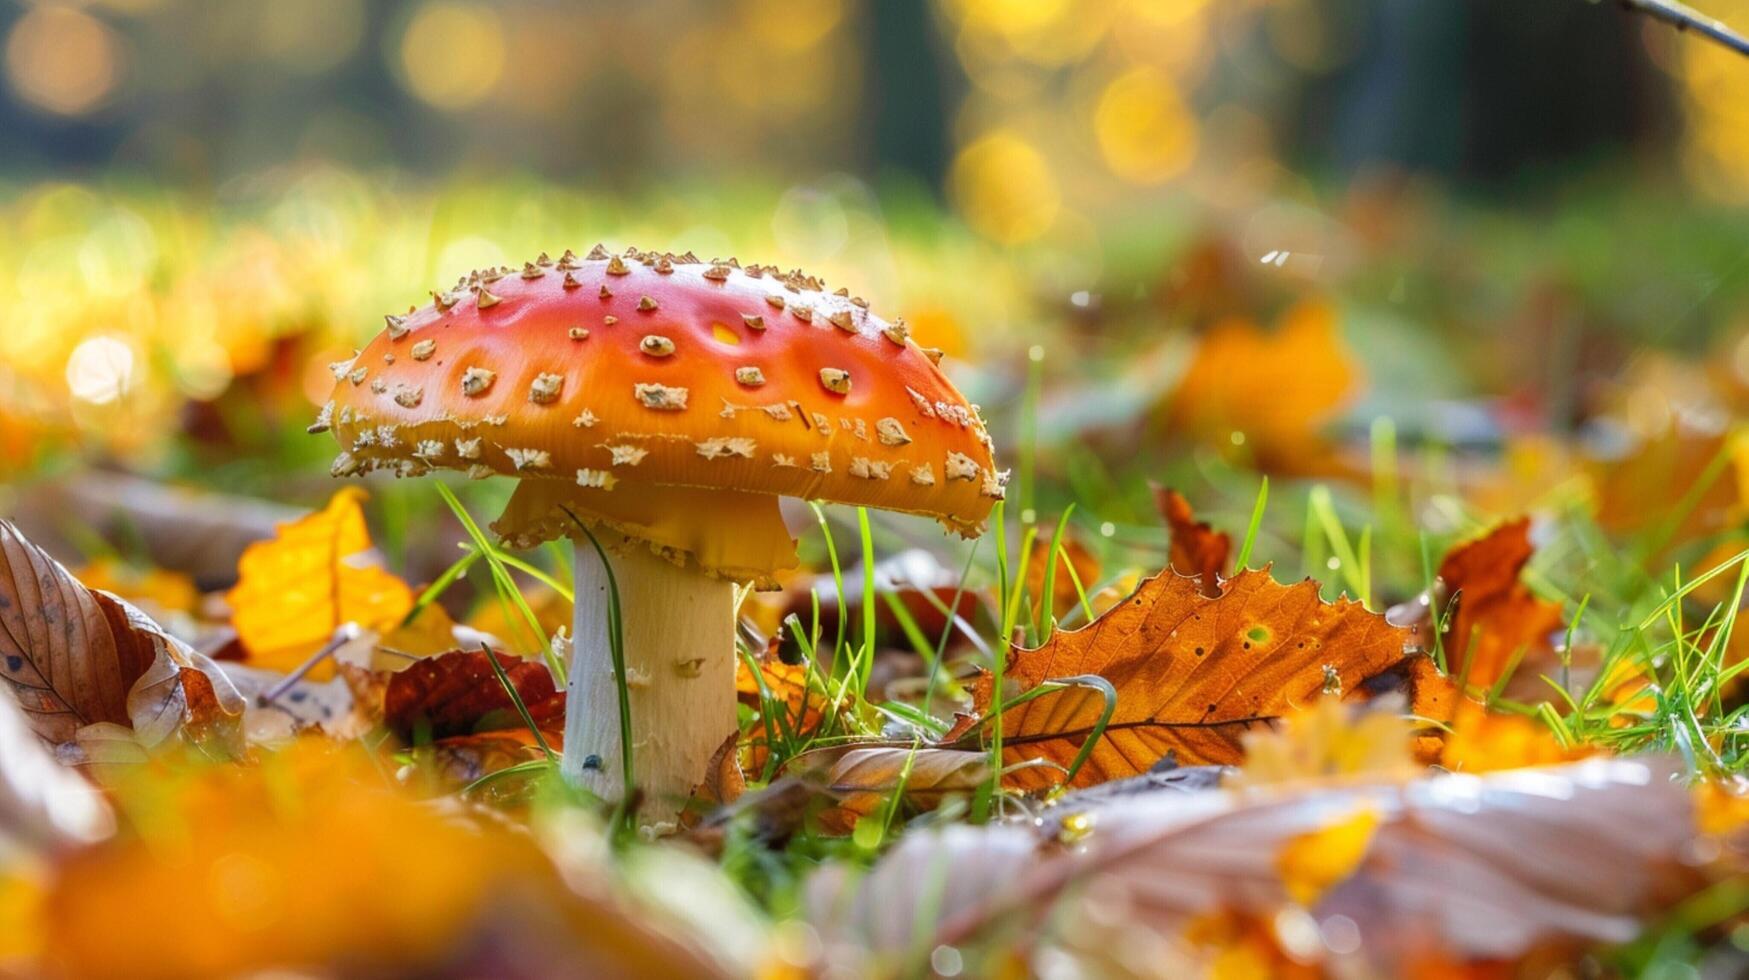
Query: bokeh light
[[1005, 188], [63, 60], [452, 54], [1145, 131]]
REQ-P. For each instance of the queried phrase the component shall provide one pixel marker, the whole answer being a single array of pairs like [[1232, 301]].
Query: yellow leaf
[[315, 574], [1312, 862], [430, 633], [153, 587], [1327, 740]]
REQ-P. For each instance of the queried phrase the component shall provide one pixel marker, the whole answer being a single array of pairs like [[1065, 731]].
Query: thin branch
[[1685, 18]]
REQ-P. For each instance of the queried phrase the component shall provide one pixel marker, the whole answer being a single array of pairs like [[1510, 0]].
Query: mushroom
[[690, 441]]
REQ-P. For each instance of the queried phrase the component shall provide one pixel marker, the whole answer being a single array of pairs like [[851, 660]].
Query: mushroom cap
[[615, 371]]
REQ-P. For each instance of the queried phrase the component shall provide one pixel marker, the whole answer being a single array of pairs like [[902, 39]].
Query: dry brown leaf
[[76, 657], [1192, 674], [1197, 549], [458, 693], [316, 574], [862, 779], [1457, 868]]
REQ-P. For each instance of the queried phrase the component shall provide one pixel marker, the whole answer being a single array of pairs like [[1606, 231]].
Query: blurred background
[[1181, 240]]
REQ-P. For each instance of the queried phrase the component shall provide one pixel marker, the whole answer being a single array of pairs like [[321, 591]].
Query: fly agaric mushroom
[[666, 404]]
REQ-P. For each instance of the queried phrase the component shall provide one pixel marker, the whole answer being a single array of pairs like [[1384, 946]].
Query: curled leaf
[[76, 657]]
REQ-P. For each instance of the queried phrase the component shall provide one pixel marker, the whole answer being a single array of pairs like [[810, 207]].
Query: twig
[[1685, 18], [342, 636]]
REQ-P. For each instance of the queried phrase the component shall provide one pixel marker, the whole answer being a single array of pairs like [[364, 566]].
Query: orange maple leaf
[[1192, 674], [295, 590]]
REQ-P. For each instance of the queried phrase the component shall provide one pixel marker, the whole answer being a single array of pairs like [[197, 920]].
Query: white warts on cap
[[835, 380], [660, 397], [723, 446], [545, 388], [627, 455], [477, 380], [530, 459], [961, 467], [870, 469], [596, 479], [891, 432]]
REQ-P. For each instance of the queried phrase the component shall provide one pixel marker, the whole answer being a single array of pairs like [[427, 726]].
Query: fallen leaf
[[1274, 390], [799, 706], [1197, 549], [1497, 620], [1469, 737], [916, 578], [231, 878], [1639, 491], [862, 779], [1328, 740], [1192, 674], [459, 760], [43, 805], [75, 657], [316, 574], [1071, 555], [153, 587], [458, 693], [1469, 869]]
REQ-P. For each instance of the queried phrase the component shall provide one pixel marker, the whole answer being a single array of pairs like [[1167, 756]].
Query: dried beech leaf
[[862, 779], [458, 693], [76, 657], [294, 591], [1456, 867], [1197, 549], [1192, 674]]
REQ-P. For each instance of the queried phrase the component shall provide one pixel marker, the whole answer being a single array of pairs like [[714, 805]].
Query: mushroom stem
[[678, 626]]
